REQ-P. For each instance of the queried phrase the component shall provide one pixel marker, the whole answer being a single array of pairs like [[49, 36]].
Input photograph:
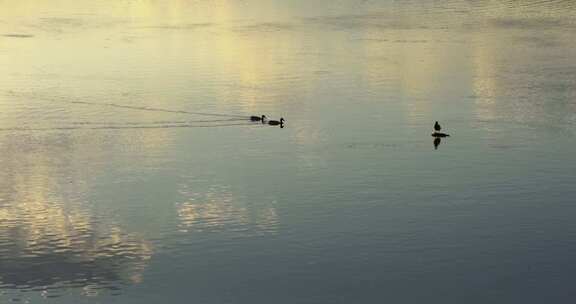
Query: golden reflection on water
[[217, 210], [49, 235], [47, 238], [485, 84]]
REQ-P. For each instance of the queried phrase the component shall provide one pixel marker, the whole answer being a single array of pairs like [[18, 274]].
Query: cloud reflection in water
[[52, 243], [218, 211], [46, 245]]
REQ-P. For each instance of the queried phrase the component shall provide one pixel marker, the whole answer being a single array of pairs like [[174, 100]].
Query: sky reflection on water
[[132, 174]]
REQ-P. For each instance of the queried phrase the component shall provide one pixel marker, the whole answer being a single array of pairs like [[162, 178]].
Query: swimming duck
[[258, 118], [437, 127], [276, 122]]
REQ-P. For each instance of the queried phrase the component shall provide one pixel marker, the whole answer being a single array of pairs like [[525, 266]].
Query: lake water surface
[[130, 172]]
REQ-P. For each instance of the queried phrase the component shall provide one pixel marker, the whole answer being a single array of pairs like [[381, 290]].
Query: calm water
[[118, 185]]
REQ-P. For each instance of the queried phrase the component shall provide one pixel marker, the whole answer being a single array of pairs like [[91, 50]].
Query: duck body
[[258, 118], [440, 134], [276, 122]]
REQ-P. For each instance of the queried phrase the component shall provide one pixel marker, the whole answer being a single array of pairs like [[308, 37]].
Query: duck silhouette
[[277, 122], [437, 132], [258, 118]]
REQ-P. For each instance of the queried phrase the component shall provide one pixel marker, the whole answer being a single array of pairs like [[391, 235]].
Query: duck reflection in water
[[437, 142], [438, 138]]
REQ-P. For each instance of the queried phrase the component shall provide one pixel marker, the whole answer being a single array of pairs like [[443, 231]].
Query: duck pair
[[270, 122]]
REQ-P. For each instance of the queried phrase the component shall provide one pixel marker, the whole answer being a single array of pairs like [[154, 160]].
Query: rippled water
[[132, 174]]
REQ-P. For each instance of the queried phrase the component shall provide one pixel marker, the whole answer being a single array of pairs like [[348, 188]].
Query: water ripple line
[[154, 109], [130, 123], [168, 126]]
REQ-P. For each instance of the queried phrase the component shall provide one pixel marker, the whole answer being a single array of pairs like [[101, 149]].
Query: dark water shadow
[[107, 274]]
